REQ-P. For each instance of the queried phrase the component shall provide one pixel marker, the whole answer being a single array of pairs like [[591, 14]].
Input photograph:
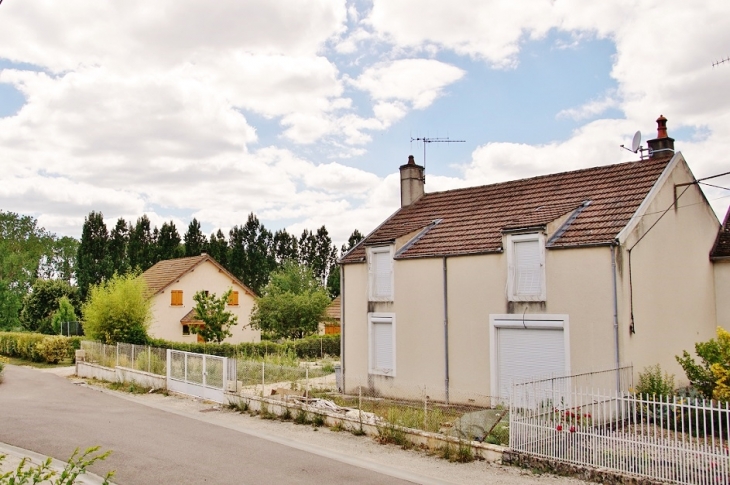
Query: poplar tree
[[93, 264], [195, 242]]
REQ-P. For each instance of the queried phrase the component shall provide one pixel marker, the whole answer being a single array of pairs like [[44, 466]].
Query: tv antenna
[[716, 63], [636, 145], [426, 140]]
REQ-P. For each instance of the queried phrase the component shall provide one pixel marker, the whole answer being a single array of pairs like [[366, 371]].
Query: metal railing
[[682, 440]]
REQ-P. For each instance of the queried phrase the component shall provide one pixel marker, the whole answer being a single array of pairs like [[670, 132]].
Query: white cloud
[[590, 109], [418, 81]]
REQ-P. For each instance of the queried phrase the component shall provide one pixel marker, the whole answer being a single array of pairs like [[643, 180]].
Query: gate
[[200, 375]]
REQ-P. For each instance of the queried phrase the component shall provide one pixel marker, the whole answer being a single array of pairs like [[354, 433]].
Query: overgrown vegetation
[[314, 347], [293, 303], [25, 473], [654, 383], [37, 347], [118, 310], [711, 377], [3, 361]]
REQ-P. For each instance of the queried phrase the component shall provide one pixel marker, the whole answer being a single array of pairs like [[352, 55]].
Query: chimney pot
[[411, 160], [662, 145]]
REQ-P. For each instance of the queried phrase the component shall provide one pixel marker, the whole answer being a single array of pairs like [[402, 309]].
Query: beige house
[[461, 293], [720, 256], [173, 283], [331, 324]]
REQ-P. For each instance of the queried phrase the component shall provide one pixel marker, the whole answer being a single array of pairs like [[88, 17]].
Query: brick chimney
[[662, 145], [412, 180]]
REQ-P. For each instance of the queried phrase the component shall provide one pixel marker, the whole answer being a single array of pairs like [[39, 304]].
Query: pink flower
[[559, 427], [572, 429]]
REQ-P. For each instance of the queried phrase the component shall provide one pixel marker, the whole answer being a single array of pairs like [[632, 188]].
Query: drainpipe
[[615, 316], [446, 333], [342, 325]]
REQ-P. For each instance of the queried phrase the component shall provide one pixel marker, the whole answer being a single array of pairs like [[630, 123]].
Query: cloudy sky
[[302, 111]]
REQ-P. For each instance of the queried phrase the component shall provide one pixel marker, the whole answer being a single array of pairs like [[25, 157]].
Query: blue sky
[[302, 113]]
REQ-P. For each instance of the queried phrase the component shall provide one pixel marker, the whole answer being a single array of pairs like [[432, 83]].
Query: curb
[[11, 451]]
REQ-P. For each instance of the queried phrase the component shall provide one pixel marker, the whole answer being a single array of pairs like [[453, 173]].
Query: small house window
[[176, 298], [381, 343], [233, 298], [526, 260], [380, 271], [186, 329]]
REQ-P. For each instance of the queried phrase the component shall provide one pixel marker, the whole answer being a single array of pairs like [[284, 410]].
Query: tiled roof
[[721, 249], [334, 310], [472, 220], [164, 273], [190, 318]]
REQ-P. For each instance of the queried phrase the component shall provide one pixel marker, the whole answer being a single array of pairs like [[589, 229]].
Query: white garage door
[[528, 353]]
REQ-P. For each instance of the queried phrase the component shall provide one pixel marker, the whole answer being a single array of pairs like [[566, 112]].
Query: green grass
[[40, 365]]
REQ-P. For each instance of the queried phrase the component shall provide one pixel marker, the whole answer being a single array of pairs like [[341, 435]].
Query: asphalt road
[[53, 416]]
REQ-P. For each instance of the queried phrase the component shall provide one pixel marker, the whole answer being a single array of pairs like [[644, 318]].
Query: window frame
[[512, 240], [173, 299], [186, 329], [372, 275], [375, 319]]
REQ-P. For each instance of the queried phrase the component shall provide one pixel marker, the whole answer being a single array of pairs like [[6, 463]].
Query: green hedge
[[313, 347], [36, 346]]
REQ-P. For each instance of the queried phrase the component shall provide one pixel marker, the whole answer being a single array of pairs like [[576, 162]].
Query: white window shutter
[[382, 335], [528, 268], [381, 275]]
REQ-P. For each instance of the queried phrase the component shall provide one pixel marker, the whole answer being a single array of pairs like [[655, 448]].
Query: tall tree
[[40, 304], [333, 278], [307, 248], [60, 263], [141, 248], [218, 248], [92, 263], [286, 247], [168, 243], [23, 246], [195, 242], [292, 303], [118, 243], [251, 254]]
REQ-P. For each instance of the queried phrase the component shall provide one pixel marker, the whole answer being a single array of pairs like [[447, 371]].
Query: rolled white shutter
[[382, 267], [382, 334]]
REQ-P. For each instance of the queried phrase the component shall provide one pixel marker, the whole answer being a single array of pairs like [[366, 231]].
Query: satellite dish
[[636, 142]]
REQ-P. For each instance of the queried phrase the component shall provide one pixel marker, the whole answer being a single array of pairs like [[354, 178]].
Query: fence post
[[306, 373], [149, 359], [117, 354], [425, 409], [359, 405], [132, 363], [263, 379]]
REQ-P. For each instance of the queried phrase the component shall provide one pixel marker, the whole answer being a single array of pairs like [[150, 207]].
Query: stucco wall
[[672, 277], [722, 293], [578, 283], [206, 276]]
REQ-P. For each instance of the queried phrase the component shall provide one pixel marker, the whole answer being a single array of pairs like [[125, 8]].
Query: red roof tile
[[472, 220]]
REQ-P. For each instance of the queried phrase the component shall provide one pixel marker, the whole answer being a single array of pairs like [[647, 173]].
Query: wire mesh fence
[[139, 357]]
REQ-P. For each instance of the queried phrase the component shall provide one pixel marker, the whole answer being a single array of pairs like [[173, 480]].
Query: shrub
[[118, 310], [3, 361], [77, 465], [653, 383], [29, 346], [714, 370], [53, 349]]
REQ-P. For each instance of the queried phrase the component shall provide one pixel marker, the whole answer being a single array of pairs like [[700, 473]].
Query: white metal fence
[[682, 440], [200, 375]]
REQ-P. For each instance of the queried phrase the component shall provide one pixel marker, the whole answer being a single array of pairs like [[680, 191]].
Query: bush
[[53, 349], [29, 346], [313, 347], [43, 473], [653, 383], [118, 310], [3, 361], [712, 376]]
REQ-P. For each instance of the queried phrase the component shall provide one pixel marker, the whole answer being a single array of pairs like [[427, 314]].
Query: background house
[[331, 324], [463, 292], [172, 284], [720, 257]]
